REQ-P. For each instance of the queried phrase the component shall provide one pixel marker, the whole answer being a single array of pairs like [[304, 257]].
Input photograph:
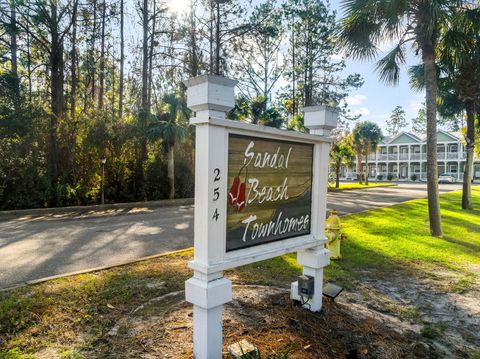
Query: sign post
[[260, 192]]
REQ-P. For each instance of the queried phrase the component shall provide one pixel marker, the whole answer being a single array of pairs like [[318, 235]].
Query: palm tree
[[369, 24], [341, 153], [368, 135], [459, 80], [460, 57], [358, 148], [255, 111], [168, 128]]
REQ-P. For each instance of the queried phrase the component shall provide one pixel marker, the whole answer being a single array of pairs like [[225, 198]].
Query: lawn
[[351, 185], [71, 317]]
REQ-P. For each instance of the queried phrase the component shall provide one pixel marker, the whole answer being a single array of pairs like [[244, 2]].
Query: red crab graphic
[[236, 195]]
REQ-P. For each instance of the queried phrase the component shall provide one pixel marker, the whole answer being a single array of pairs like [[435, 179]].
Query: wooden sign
[[269, 190]]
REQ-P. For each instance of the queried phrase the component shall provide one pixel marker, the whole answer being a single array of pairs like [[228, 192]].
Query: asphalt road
[[34, 247]]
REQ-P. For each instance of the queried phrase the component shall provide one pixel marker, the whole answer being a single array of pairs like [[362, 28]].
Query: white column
[[320, 120], [408, 162], [210, 97]]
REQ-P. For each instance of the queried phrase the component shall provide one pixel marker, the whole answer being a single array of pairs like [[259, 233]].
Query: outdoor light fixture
[[103, 160], [332, 291]]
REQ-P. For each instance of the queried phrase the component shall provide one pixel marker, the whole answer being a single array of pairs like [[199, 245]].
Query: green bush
[[380, 177], [389, 177], [14, 314], [413, 177]]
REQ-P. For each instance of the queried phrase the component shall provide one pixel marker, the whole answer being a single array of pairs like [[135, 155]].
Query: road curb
[[96, 269], [96, 207]]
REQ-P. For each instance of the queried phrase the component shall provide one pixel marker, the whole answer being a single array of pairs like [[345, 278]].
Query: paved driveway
[[33, 247]]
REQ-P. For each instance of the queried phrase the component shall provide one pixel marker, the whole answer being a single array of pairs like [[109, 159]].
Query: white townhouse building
[[404, 158]]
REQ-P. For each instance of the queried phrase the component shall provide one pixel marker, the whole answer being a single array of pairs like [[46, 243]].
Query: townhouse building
[[404, 158]]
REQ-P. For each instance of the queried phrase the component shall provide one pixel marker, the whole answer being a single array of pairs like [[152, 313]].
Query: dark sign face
[[269, 190]]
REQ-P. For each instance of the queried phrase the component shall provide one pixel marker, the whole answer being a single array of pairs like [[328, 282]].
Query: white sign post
[[211, 97]]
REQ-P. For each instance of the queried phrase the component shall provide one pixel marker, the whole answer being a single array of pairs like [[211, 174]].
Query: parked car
[[447, 178]]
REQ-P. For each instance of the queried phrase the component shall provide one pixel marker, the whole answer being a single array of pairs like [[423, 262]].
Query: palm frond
[[416, 73], [369, 23], [389, 66]]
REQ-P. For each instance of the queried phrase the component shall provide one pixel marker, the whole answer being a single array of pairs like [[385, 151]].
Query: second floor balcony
[[417, 156]]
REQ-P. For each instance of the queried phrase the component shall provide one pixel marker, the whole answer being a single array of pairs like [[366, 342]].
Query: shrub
[[380, 177], [413, 177], [389, 177]]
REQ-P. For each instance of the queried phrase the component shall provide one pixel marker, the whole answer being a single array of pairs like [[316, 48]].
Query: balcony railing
[[442, 156], [453, 155]]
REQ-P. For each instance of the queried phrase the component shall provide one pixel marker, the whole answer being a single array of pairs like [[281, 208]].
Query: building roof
[[408, 137], [405, 137]]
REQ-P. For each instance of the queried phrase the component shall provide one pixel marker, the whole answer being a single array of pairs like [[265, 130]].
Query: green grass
[[395, 238], [433, 330], [350, 186], [400, 235]]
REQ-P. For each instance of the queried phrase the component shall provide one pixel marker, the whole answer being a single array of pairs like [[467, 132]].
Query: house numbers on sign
[[270, 188], [216, 192]]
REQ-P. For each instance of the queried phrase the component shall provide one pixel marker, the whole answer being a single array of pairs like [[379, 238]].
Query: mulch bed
[[267, 318]]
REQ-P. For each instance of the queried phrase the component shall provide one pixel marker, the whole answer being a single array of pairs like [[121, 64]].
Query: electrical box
[[306, 286]]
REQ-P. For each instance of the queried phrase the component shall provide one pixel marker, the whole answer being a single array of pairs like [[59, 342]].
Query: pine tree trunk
[[194, 60], [73, 69], [217, 39], [92, 53], [101, 76], [122, 59], [171, 172], [145, 56], [211, 40], [470, 139], [13, 39], [294, 59], [144, 112], [428, 55], [57, 96], [29, 70], [150, 61]]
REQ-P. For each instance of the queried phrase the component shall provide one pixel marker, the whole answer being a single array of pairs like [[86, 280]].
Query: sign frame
[[227, 260]]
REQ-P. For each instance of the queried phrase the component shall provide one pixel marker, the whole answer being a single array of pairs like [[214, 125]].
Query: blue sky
[[376, 100]]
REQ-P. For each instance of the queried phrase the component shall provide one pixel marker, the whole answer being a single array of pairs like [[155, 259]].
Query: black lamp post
[[103, 161]]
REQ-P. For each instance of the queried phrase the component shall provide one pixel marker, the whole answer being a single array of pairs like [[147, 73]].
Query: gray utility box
[[306, 286]]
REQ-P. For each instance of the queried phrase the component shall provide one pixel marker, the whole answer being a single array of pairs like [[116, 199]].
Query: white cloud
[[415, 106], [362, 111], [355, 100]]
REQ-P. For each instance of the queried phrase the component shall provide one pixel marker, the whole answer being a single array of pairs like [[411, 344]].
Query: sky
[[375, 100]]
